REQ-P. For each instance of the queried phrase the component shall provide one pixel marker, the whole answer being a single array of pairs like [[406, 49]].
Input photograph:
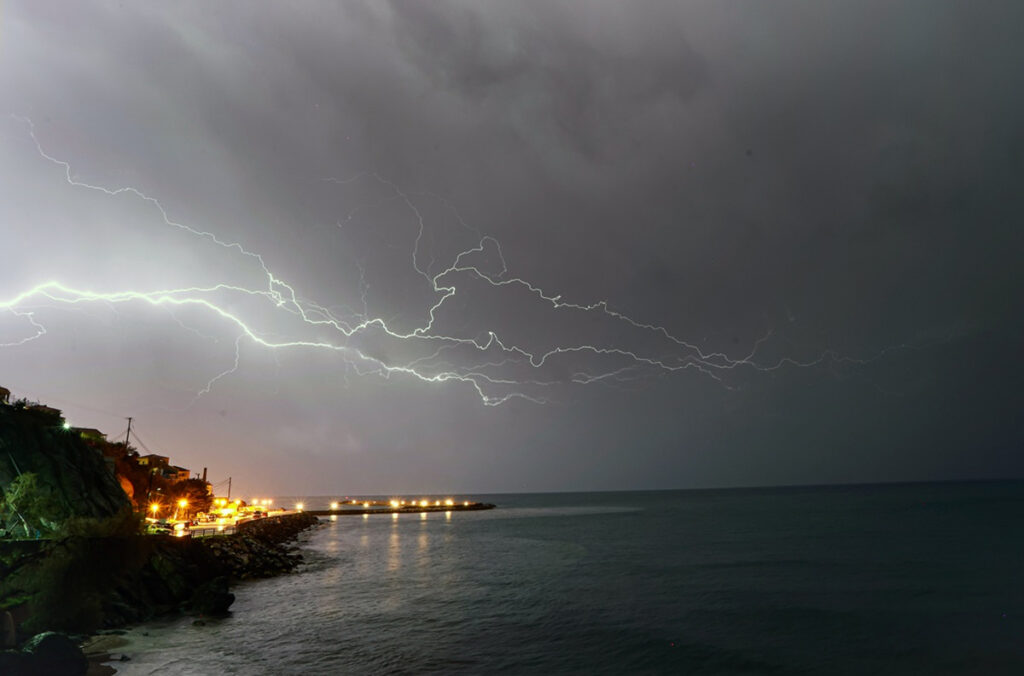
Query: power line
[[142, 443]]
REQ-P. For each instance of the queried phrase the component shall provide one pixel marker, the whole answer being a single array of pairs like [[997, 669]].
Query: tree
[[195, 491]]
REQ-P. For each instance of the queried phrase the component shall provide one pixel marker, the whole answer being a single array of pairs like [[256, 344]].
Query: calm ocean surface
[[900, 579]]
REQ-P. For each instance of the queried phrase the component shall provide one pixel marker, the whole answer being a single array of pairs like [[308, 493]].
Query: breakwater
[[406, 509]]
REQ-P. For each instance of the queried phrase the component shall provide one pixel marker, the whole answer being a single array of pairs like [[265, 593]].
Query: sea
[[879, 579]]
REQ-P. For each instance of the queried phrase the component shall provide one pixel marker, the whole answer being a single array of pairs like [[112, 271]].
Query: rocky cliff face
[[72, 473]]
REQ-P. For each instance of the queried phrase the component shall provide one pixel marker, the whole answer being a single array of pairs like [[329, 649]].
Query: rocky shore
[[78, 586], [259, 548]]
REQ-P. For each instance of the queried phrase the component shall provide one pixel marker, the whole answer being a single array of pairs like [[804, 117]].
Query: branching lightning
[[497, 367]]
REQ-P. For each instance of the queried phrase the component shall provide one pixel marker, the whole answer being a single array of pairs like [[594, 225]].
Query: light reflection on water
[[394, 550], [424, 546], [363, 577]]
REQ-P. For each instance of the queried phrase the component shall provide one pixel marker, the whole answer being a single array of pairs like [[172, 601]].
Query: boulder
[[54, 653], [212, 598]]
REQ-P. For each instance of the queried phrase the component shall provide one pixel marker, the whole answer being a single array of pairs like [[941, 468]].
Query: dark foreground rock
[[49, 653]]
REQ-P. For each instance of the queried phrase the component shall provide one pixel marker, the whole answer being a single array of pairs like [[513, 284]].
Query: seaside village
[[52, 472], [173, 499]]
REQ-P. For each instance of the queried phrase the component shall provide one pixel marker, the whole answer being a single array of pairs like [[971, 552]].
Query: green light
[[67, 425]]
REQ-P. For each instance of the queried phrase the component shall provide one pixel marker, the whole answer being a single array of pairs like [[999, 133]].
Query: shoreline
[[89, 591], [106, 649]]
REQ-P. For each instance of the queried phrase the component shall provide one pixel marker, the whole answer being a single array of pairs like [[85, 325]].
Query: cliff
[[71, 478]]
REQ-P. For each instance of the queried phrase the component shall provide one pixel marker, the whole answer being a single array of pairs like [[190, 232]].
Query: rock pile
[[258, 548], [243, 556], [84, 584], [47, 653]]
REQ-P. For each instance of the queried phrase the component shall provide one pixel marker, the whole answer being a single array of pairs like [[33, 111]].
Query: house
[[89, 433], [45, 410], [5, 395], [175, 473], [154, 460]]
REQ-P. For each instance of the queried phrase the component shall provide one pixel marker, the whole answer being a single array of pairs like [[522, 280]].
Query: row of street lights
[[154, 507], [396, 503]]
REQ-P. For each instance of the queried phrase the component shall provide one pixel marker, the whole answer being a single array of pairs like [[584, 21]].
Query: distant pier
[[385, 508]]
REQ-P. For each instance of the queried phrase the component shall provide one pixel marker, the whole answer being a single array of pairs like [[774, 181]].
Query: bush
[[29, 507]]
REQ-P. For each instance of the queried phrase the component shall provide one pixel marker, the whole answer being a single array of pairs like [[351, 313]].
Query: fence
[[202, 531]]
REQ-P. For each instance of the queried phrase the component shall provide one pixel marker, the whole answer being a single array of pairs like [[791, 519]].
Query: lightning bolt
[[497, 368]]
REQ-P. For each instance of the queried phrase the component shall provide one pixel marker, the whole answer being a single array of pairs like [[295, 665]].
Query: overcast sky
[[515, 246]]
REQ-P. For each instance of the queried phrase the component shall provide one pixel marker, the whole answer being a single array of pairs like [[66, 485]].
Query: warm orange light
[[465, 504], [366, 504], [423, 503], [449, 502], [154, 508], [394, 503], [183, 503], [298, 506], [334, 505]]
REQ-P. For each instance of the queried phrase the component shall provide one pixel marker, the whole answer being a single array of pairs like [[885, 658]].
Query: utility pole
[[127, 434]]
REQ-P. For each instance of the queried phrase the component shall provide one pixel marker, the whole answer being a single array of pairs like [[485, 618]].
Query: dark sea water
[[898, 579]]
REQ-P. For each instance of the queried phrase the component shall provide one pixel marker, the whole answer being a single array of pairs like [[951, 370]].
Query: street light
[[154, 508]]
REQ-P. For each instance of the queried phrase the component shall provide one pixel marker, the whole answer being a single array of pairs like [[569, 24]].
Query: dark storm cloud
[[841, 174], [561, 78]]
